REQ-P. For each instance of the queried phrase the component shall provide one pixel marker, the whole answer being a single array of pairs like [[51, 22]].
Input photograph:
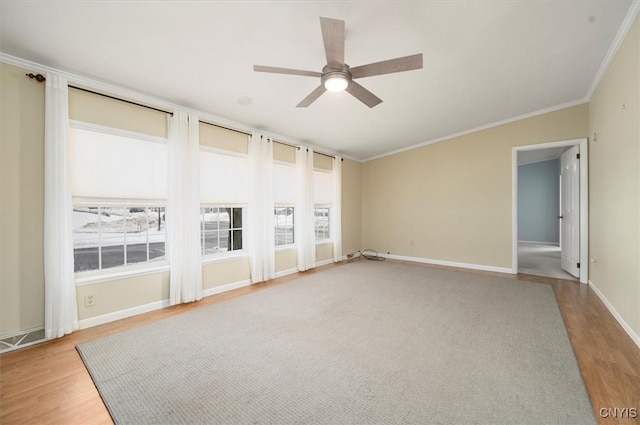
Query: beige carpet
[[363, 343]]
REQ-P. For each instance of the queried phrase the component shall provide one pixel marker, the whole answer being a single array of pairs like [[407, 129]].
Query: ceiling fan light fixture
[[336, 83]]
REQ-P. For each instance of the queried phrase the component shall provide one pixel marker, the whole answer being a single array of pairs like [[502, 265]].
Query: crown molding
[[156, 102], [613, 49], [481, 128]]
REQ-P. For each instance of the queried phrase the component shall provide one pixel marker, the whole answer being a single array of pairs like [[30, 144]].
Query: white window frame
[[329, 238], [125, 270], [217, 256], [289, 245]]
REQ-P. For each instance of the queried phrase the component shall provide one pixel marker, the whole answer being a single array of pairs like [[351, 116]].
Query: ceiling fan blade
[[275, 70], [333, 36], [313, 96], [363, 95], [406, 63]]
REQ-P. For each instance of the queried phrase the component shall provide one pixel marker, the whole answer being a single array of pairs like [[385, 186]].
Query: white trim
[[634, 337], [113, 131], [448, 263], [324, 262], [613, 49], [128, 94], [584, 201], [134, 311], [287, 247], [540, 243], [122, 314], [83, 280], [286, 272], [480, 128], [221, 257], [354, 255], [225, 288]]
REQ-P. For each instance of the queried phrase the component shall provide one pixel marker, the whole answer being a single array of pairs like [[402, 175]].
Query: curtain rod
[[41, 78]]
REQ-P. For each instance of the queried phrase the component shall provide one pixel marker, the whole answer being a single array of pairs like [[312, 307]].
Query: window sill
[[286, 247], [120, 274], [226, 256], [324, 241]]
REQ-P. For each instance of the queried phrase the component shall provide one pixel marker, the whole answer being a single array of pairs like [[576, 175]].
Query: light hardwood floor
[[48, 383]]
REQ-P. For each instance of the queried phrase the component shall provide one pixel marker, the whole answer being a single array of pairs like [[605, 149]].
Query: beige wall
[[351, 206], [121, 294], [451, 201], [614, 181], [21, 201], [324, 251], [225, 272], [286, 259]]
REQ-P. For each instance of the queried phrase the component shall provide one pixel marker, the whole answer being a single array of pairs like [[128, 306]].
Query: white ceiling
[[484, 61]]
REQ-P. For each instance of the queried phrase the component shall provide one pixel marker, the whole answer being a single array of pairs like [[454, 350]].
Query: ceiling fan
[[337, 75]]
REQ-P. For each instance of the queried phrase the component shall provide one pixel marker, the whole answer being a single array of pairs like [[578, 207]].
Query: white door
[[570, 210]]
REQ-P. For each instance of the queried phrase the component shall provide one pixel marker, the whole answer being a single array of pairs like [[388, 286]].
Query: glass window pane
[[237, 239], [236, 222], [283, 219], [156, 232], [86, 239], [112, 230], [322, 223]]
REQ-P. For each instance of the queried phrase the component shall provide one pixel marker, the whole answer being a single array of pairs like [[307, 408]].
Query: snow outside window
[[105, 237], [284, 226], [221, 229]]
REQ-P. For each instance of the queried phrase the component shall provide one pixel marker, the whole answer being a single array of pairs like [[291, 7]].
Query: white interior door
[[570, 210]]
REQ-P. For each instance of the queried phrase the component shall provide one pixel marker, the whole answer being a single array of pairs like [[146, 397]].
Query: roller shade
[[115, 166], [224, 179], [284, 183], [322, 187]]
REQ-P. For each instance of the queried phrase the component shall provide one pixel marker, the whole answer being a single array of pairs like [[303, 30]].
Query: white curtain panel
[[61, 314], [304, 215], [336, 209], [183, 209], [260, 213]]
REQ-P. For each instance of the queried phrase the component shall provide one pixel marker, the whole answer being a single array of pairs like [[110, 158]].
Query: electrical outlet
[[89, 300]]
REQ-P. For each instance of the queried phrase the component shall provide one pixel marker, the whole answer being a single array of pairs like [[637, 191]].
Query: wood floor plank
[[48, 383]]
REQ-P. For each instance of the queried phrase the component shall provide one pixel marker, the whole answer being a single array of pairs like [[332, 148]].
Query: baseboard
[[634, 337], [224, 288], [286, 272], [449, 263], [540, 243], [353, 255], [122, 314], [324, 262]]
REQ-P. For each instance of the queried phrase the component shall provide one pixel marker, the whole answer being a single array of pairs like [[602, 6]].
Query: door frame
[[584, 201]]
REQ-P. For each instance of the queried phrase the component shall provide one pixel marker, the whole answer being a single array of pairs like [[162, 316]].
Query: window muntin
[[322, 223], [284, 226], [221, 229], [117, 236]]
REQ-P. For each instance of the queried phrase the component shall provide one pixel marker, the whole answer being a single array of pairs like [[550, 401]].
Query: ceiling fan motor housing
[[330, 73]]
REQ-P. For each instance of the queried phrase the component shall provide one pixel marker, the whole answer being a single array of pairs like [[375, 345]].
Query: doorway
[[555, 234]]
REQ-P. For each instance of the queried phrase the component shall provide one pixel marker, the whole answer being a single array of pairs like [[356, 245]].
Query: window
[[105, 237], [284, 226], [321, 223], [221, 229]]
